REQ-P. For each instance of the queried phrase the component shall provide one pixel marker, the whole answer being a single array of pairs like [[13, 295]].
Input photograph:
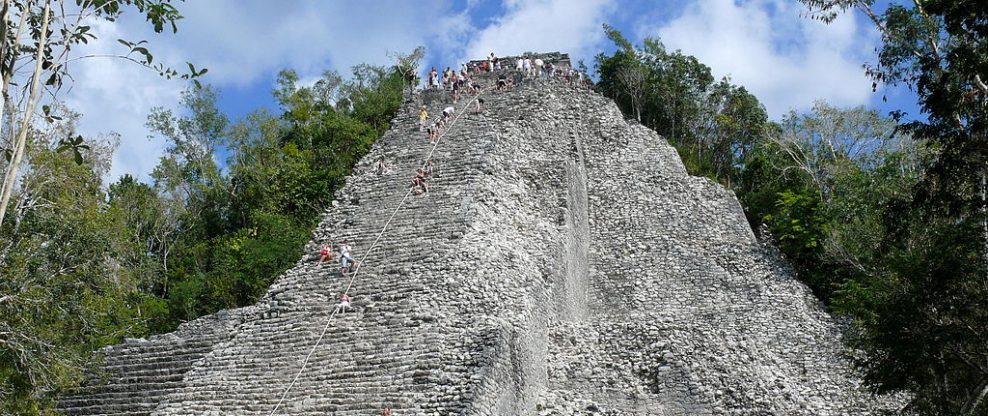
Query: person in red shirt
[[326, 253]]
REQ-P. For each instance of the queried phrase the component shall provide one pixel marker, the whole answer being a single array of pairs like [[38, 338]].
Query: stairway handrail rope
[[353, 276]]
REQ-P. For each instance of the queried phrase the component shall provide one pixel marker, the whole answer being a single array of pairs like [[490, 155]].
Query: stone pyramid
[[562, 263]]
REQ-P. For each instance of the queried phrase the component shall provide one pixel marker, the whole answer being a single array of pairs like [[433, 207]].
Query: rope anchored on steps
[[356, 271]]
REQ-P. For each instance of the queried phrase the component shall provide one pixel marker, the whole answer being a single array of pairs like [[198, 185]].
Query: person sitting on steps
[[326, 252], [344, 302]]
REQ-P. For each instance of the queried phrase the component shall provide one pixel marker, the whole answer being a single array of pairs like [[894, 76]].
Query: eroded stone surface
[[563, 263]]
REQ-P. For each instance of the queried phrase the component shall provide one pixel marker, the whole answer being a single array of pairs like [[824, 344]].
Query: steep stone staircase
[[562, 263]]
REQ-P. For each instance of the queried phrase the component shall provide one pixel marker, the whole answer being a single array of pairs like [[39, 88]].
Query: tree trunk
[[984, 222], [20, 144], [4, 9], [977, 400], [7, 72]]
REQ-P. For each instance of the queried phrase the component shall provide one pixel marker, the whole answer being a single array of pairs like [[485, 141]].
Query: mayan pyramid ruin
[[562, 263]]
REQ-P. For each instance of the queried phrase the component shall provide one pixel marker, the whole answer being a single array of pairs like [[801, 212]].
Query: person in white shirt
[[344, 303], [346, 260]]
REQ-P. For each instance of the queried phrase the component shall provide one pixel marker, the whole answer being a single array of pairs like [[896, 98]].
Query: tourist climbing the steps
[[457, 87], [419, 186], [344, 302], [326, 253], [473, 87], [432, 131], [382, 166], [346, 260], [423, 117], [428, 169], [479, 102], [448, 114], [386, 412], [502, 82]]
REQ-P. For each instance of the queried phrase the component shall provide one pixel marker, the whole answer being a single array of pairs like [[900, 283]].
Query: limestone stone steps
[[153, 349], [119, 394], [139, 372], [342, 377], [265, 372], [149, 369], [103, 408], [377, 282]]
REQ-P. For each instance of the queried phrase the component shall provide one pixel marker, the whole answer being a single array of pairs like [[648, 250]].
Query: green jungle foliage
[[86, 263]]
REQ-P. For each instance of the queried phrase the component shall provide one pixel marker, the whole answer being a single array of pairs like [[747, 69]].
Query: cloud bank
[[786, 60]]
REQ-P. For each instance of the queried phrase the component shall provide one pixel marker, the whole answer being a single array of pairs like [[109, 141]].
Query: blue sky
[[785, 59]]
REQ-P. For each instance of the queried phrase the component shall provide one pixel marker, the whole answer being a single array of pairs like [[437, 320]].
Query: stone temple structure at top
[[562, 263]]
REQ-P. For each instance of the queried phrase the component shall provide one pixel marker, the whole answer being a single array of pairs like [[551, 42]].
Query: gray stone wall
[[563, 263]]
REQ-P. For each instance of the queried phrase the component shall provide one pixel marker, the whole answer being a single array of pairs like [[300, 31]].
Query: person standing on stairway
[[382, 166], [346, 260], [457, 86], [423, 117], [431, 130], [479, 102]]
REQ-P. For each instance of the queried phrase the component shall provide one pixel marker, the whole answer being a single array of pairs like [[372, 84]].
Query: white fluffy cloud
[[786, 60], [543, 26], [115, 96]]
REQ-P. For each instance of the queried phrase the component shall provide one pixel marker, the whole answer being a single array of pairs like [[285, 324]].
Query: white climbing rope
[[360, 263]]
